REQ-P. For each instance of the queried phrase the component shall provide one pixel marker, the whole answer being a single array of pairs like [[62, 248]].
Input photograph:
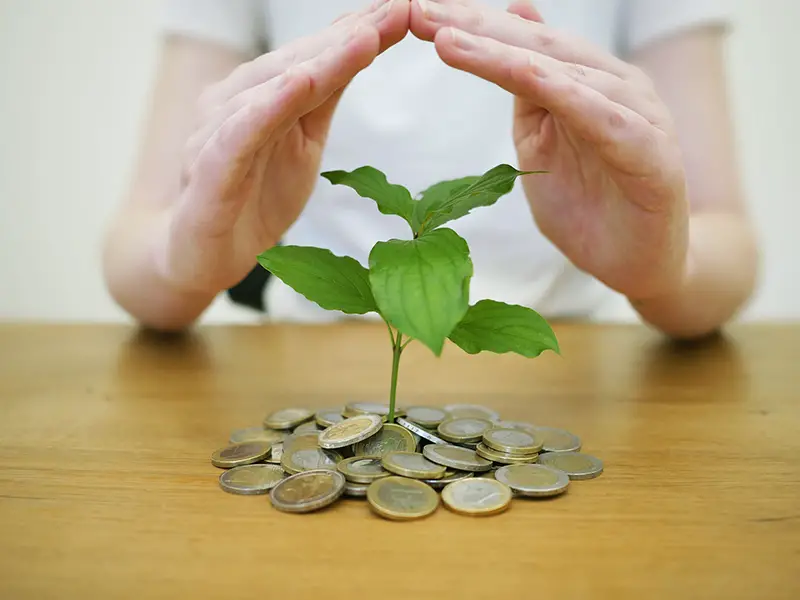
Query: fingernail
[[382, 13], [434, 12], [462, 40], [423, 6]]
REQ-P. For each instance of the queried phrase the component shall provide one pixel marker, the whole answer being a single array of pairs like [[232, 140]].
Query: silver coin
[[350, 431], [287, 418], [438, 484], [420, 431], [464, 429], [310, 459], [256, 434], [558, 440], [356, 490], [362, 469], [427, 416], [456, 457], [307, 427], [308, 491], [458, 411], [574, 464], [275, 454], [251, 479], [477, 496], [367, 408], [533, 480], [529, 427], [327, 417]]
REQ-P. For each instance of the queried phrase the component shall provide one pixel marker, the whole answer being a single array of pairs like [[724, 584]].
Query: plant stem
[[397, 349]]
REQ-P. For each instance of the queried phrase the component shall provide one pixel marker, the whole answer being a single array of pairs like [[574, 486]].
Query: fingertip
[[526, 10]]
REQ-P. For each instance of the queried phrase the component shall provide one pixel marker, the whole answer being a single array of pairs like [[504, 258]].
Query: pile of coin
[[463, 456]]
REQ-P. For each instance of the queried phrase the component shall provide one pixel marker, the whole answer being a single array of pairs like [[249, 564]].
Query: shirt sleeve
[[238, 24], [647, 21]]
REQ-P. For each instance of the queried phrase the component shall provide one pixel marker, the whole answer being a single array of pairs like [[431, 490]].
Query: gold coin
[[240, 454], [287, 418], [390, 438], [534, 480], [460, 430], [412, 464], [399, 498], [558, 440], [455, 457], [327, 417], [503, 458], [250, 479], [362, 469], [574, 464], [471, 411], [350, 431], [477, 496], [256, 434], [512, 441], [307, 491], [427, 416]]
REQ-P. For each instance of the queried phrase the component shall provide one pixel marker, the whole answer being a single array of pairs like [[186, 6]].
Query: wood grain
[[107, 491]]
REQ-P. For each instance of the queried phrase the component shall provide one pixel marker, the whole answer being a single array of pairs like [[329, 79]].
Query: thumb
[[526, 10]]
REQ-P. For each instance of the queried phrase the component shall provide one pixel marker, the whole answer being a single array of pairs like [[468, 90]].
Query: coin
[[350, 431], [477, 496], [490, 474], [399, 498], [467, 429], [412, 464], [503, 458], [236, 455], [427, 416], [471, 411], [512, 441], [390, 438], [420, 431], [327, 417], [456, 457], [516, 425], [307, 491], [558, 440], [574, 464], [256, 434], [287, 418], [370, 408], [356, 490], [449, 477], [534, 480], [275, 454], [250, 479], [309, 459], [307, 427], [362, 469]]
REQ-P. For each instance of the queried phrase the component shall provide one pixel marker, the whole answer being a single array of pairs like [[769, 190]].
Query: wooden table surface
[[107, 491]]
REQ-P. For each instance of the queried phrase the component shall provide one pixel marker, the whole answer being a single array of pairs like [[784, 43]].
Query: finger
[[269, 111], [525, 10], [501, 26], [389, 16], [495, 62]]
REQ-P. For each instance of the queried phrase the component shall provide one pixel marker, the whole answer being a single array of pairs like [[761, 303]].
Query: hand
[[614, 200], [252, 164]]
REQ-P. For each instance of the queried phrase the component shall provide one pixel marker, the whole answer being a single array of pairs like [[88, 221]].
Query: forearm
[[133, 279], [722, 264]]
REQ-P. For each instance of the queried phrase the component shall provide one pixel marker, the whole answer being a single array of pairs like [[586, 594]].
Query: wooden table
[[107, 491]]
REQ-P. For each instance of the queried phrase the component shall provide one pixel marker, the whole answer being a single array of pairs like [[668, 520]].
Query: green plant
[[418, 286]]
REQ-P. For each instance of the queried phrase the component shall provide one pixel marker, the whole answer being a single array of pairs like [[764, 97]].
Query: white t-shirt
[[420, 121]]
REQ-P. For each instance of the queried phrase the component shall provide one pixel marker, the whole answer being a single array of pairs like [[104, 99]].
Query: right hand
[[253, 162]]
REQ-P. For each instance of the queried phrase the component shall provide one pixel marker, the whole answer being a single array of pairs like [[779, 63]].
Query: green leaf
[[453, 200], [369, 182], [422, 285], [334, 282], [497, 327]]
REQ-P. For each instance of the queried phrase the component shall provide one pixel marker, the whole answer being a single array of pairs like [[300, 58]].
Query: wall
[[75, 81]]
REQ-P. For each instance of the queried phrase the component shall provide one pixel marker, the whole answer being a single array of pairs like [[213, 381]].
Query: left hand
[[614, 198]]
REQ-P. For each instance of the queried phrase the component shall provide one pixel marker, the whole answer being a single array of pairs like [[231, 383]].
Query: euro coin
[[558, 440], [350, 431], [449, 477], [256, 434], [390, 438], [421, 432], [477, 496], [303, 454], [370, 408], [529, 427], [287, 418], [427, 416], [237, 455], [575, 464], [533, 480], [471, 411], [512, 441], [361, 469], [327, 417], [275, 454], [463, 429], [412, 464], [356, 490], [307, 427], [250, 479], [455, 457], [400, 498], [307, 491], [503, 458]]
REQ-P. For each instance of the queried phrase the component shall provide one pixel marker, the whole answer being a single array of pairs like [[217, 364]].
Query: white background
[[74, 84]]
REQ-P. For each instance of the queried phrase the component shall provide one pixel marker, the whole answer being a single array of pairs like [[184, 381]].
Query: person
[[622, 103]]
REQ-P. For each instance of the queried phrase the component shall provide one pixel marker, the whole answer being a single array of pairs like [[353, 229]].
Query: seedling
[[418, 286]]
